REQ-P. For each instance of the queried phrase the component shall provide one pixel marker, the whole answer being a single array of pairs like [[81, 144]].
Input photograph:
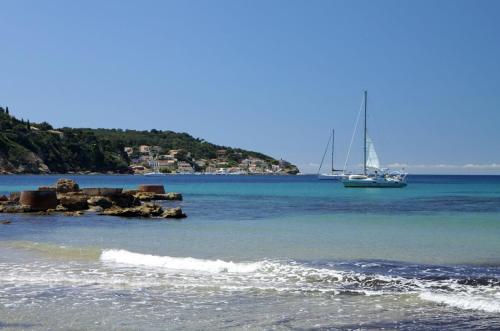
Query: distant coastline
[[85, 173], [39, 148]]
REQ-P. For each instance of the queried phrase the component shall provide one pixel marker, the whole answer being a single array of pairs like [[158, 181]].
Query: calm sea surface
[[260, 253]]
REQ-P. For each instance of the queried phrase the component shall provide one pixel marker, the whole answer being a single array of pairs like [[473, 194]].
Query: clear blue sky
[[271, 76]]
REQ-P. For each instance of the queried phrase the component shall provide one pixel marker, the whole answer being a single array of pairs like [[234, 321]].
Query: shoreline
[[209, 174], [136, 174]]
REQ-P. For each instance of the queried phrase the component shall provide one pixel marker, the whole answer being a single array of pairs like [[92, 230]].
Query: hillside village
[[146, 158], [27, 147]]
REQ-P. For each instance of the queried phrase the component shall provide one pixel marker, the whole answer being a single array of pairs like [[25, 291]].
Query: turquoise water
[[261, 253]]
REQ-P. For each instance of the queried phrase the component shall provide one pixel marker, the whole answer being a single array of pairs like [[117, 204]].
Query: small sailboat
[[335, 174], [373, 175]]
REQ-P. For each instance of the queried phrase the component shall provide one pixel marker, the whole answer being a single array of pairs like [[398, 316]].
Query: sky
[[271, 76]]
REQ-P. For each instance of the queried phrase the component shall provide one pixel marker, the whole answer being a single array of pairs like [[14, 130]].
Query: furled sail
[[371, 155]]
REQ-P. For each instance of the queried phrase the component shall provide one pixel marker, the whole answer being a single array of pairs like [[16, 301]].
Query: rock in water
[[146, 210], [150, 209], [67, 197], [173, 213], [102, 191], [173, 196], [74, 213], [96, 209], [14, 196], [145, 196], [74, 201], [102, 202], [14, 208], [148, 196], [124, 200], [65, 185]]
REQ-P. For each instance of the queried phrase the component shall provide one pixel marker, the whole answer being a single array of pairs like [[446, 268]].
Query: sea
[[260, 253]]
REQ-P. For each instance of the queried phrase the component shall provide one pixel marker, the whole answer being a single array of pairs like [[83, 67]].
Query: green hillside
[[39, 148]]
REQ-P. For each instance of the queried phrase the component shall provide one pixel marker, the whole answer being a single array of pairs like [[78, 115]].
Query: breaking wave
[[177, 263], [466, 301], [466, 293]]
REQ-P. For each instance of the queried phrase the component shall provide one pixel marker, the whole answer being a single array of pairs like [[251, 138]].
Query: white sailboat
[[334, 174], [373, 175]]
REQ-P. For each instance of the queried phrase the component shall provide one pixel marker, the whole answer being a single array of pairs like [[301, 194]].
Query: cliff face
[[15, 158], [28, 162], [37, 148]]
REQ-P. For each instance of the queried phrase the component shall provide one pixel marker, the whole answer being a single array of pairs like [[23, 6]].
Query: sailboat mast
[[364, 163], [333, 144]]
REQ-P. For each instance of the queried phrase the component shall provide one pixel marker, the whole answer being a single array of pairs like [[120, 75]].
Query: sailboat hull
[[373, 182], [337, 177]]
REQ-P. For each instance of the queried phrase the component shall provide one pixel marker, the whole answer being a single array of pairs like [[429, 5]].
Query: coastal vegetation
[[27, 147]]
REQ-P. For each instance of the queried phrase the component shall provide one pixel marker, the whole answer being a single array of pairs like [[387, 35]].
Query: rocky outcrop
[[145, 210], [144, 196], [12, 207], [124, 200], [14, 196], [173, 213], [81, 201], [148, 196], [74, 213], [67, 197], [102, 191], [65, 185], [172, 196], [73, 201], [102, 202]]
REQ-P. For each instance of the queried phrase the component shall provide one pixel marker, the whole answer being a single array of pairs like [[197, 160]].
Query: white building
[[144, 149], [166, 157], [184, 167]]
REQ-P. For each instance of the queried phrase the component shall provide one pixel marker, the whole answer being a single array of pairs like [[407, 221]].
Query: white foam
[[177, 263], [265, 275], [465, 301]]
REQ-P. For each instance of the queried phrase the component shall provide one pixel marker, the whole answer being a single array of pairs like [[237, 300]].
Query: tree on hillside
[[45, 126]]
